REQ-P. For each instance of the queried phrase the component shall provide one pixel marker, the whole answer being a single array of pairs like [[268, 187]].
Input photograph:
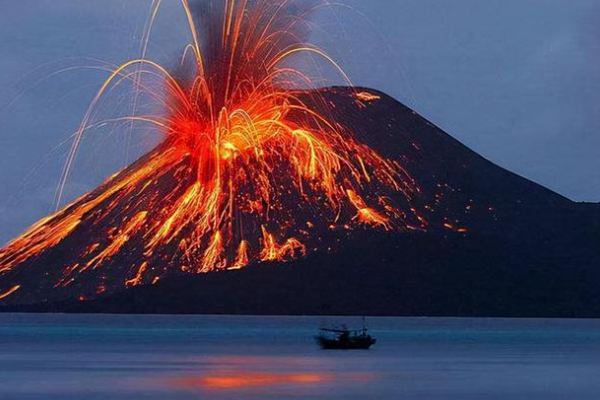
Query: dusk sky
[[515, 80]]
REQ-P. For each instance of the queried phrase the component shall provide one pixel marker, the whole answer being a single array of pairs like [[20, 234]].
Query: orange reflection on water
[[250, 379]]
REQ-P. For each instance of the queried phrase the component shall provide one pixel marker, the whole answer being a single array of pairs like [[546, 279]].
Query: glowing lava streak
[[9, 292], [251, 156]]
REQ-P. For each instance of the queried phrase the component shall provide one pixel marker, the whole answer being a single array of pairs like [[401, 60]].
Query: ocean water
[[63, 357]]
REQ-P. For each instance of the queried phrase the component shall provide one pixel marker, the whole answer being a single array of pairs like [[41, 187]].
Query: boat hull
[[361, 343]]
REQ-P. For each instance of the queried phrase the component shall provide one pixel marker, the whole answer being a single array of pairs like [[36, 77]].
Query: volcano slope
[[487, 243]]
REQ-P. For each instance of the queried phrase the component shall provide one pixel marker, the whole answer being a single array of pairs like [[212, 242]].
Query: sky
[[515, 80]]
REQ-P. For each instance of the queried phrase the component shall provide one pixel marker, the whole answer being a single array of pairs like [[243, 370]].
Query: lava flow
[[252, 167]]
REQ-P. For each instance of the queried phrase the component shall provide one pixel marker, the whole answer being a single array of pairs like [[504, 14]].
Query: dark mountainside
[[496, 245]]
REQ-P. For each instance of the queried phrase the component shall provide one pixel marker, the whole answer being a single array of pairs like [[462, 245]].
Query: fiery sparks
[[250, 158], [367, 97], [9, 291]]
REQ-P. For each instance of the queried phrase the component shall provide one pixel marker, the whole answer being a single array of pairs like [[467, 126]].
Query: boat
[[345, 339]]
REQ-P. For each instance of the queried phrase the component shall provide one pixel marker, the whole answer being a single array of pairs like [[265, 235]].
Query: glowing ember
[[9, 292], [364, 98], [247, 162]]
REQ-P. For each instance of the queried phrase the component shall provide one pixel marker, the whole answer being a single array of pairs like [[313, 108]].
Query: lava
[[250, 158], [9, 291]]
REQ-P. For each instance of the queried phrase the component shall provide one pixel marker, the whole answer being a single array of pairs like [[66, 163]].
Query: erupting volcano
[[272, 191], [253, 166]]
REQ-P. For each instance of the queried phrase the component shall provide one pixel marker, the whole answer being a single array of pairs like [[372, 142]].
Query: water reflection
[[56, 357], [239, 372], [244, 379]]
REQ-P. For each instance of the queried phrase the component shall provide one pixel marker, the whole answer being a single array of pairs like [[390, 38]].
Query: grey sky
[[516, 80]]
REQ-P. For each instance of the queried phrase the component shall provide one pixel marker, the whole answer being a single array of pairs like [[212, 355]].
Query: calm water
[[165, 357]]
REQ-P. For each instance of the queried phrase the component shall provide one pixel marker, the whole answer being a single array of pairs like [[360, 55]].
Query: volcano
[[480, 241], [265, 180]]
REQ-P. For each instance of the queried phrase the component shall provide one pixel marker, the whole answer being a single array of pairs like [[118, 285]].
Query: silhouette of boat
[[345, 339]]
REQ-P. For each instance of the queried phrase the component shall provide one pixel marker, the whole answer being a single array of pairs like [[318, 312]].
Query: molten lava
[[252, 167]]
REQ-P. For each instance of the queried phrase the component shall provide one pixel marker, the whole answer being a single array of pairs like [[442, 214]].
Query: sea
[[115, 357]]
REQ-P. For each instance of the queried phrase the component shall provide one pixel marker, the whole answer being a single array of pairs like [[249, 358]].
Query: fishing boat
[[345, 339]]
